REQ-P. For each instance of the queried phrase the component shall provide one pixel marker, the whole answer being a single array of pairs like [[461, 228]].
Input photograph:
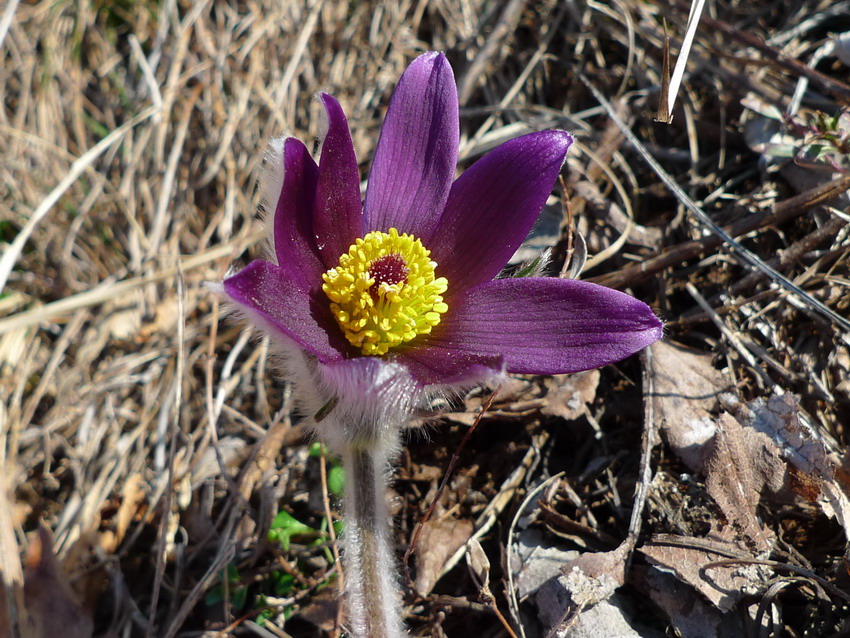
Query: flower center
[[389, 269], [384, 292]]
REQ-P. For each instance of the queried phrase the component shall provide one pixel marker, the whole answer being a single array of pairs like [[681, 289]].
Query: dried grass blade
[[12, 253], [682, 59], [6, 20]]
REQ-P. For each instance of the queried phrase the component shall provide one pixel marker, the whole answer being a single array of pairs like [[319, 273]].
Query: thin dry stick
[[783, 211], [490, 601], [567, 269], [742, 349], [165, 193], [323, 467], [648, 443], [794, 252], [552, 29], [507, 23], [488, 517], [836, 87], [449, 470], [513, 603]]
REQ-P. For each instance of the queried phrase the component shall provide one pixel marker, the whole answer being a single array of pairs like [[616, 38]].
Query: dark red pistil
[[391, 269]]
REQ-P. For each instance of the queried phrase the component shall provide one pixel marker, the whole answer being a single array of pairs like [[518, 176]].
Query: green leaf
[[336, 480], [282, 583], [528, 268], [285, 526], [265, 616], [237, 595], [238, 598]]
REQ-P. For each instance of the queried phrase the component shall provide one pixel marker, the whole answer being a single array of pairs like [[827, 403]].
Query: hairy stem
[[374, 609]]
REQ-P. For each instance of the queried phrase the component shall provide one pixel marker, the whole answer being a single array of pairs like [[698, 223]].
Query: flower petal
[[416, 156], [539, 326], [337, 213], [446, 368], [275, 300], [294, 242], [493, 205]]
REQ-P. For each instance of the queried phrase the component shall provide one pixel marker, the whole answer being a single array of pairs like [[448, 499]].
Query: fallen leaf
[[479, 564], [691, 560], [779, 418], [594, 576], [535, 562], [438, 541], [569, 394], [52, 608], [741, 464], [685, 391], [800, 444], [562, 619], [322, 610]]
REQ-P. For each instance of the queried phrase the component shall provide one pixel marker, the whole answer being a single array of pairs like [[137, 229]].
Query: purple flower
[[368, 317]]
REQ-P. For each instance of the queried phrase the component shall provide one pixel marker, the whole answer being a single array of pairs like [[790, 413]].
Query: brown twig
[[783, 211]]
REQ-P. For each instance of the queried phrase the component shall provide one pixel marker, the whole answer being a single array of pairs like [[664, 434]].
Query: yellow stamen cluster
[[384, 292]]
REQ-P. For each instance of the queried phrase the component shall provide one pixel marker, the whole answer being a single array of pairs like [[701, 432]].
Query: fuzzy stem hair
[[374, 609]]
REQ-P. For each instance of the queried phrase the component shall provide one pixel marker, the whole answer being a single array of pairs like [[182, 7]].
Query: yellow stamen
[[384, 292]]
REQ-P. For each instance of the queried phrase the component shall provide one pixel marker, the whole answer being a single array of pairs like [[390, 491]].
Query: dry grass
[[153, 439]]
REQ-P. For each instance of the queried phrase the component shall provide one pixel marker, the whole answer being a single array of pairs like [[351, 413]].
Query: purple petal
[[271, 295], [337, 209], [294, 243], [416, 156], [538, 326], [493, 205], [445, 367]]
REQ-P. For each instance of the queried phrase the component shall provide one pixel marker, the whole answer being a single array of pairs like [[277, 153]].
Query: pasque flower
[[376, 304]]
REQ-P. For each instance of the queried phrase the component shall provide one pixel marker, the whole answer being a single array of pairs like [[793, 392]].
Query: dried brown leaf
[[686, 387], [594, 576], [690, 560], [52, 608], [479, 564], [438, 542], [742, 463], [322, 610], [569, 394], [780, 419]]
